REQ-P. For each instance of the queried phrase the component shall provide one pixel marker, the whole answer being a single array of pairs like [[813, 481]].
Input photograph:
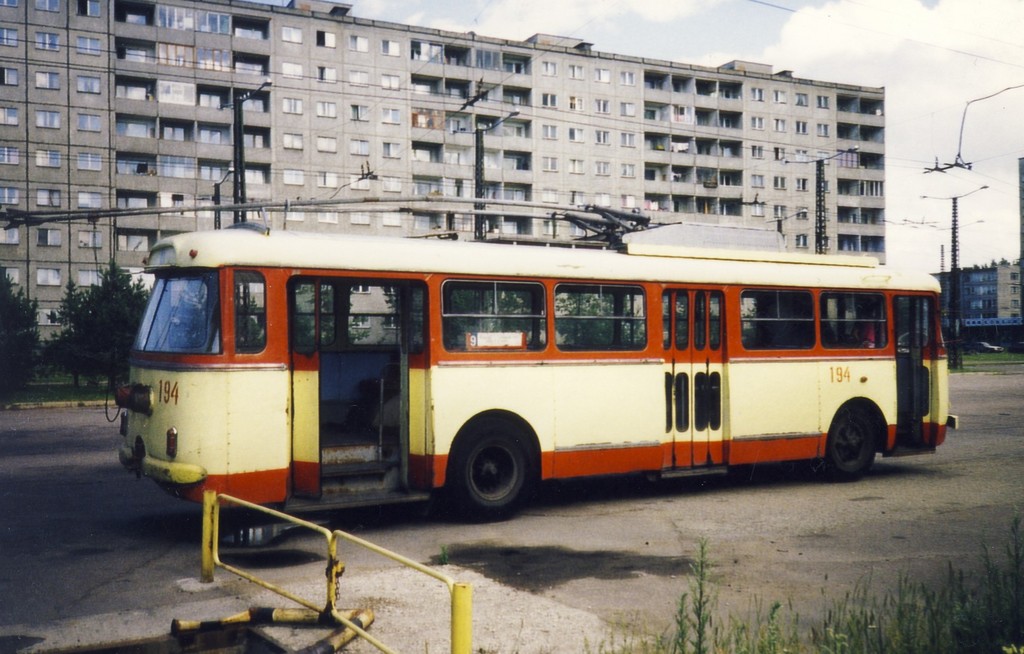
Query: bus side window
[[776, 320], [250, 311], [853, 320]]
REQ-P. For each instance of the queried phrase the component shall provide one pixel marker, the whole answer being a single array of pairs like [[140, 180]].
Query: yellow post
[[462, 618], [209, 534]]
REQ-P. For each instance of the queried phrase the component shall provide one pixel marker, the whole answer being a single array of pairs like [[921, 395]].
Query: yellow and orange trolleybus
[[307, 370]]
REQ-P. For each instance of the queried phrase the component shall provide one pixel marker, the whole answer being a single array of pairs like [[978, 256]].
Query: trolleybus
[[313, 371]]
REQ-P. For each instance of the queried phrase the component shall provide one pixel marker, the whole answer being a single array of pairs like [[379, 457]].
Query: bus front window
[[182, 316]]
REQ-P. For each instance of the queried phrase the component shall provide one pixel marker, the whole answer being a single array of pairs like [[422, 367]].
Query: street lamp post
[[955, 309], [238, 144], [479, 228], [216, 197]]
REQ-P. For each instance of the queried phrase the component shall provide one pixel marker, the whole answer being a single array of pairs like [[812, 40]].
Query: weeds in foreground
[[963, 616]]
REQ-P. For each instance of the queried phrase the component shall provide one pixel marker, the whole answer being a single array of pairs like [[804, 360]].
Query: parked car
[[981, 347], [1016, 348]]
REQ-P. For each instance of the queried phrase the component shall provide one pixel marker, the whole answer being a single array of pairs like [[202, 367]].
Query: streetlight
[[478, 172], [216, 196], [238, 143], [955, 353]]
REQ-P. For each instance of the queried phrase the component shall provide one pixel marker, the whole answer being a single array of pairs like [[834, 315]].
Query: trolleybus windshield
[[182, 316]]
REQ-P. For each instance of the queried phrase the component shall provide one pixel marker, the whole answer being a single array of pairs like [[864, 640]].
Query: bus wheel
[[850, 450], [491, 470]]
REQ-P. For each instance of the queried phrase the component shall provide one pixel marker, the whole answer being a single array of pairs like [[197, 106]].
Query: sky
[[943, 63]]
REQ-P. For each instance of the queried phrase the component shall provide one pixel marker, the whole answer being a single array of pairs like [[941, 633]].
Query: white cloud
[[931, 61], [932, 56]]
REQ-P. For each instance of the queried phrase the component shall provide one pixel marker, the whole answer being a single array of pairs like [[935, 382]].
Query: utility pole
[[820, 220], [480, 222], [954, 346], [238, 144]]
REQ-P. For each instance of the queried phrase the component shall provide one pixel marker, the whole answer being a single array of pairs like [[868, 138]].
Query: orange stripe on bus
[[260, 487]]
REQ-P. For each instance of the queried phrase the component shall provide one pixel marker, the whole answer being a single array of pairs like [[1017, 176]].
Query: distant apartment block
[[129, 104]]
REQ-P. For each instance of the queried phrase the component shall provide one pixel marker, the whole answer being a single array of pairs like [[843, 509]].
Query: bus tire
[[850, 449], [492, 469]]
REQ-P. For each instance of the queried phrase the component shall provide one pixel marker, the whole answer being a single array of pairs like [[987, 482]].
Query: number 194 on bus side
[[167, 392], [837, 374]]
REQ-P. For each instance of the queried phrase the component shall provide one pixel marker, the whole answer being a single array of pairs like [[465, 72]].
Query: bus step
[[364, 469], [679, 473]]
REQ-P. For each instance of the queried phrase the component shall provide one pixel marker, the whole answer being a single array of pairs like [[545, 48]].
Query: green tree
[[19, 336], [98, 325]]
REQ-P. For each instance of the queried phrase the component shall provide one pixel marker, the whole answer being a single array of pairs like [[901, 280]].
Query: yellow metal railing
[[461, 593]]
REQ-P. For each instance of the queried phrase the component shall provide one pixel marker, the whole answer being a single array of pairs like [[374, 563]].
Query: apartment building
[[134, 105]]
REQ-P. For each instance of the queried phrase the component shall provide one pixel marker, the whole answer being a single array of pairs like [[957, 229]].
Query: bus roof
[[639, 262]]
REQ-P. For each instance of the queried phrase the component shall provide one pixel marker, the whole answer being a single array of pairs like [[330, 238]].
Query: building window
[[779, 183], [292, 70], [9, 195], [627, 109], [757, 151], [48, 158], [47, 41], [10, 236], [602, 75], [48, 237], [823, 102], [359, 147], [627, 78], [10, 155], [293, 177], [602, 137], [549, 164], [548, 100], [8, 37], [9, 77], [291, 141], [89, 200], [800, 240], [88, 278], [47, 119], [291, 34], [390, 150], [390, 116], [327, 109], [576, 72], [48, 276], [823, 129], [800, 127], [89, 161], [757, 94], [549, 68], [627, 140], [358, 43], [88, 45], [92, 238], [48, 197], [47, 80], [779, 97], [47, 5], [327, 144], [390, 48], [13, 275], [326, 39], [291, 105], [358, 78], [780, 125], [390, 82], [326, 74], [88, 84]]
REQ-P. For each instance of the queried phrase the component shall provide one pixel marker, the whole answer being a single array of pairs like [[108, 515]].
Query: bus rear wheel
[[850, 450], [491, 470]]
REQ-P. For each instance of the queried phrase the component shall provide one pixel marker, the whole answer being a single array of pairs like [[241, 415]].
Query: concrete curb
[[69, 404]]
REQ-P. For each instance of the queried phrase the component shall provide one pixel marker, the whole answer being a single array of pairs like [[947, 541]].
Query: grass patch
[[979, 615], [55, 389]]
